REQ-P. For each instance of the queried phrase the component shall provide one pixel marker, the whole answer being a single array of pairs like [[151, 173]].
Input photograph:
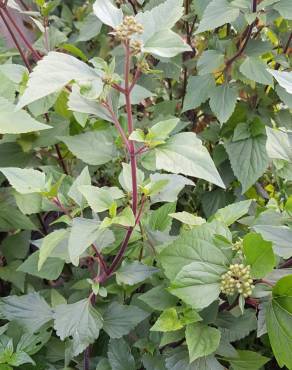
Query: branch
[[24, 58], [100, 258], [61, 159], [230, 61]]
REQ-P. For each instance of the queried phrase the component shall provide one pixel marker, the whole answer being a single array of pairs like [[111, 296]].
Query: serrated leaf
[[30, 311], [167, 321], [119, 320], [79, 320], [119, 355], [233, 212], [259, 255], [81, 146], [184, 153], [158, 298], [131, 273], [198, 91], [256, 70], [202, 340], [217, 13], [223, 101], [248, 159]]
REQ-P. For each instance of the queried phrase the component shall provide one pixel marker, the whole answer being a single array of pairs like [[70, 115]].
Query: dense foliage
[[145, 171]]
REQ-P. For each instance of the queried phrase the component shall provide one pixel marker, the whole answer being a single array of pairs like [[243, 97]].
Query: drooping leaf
[[30, 311], [119, 320], [202, 340], [223, 101], [79, 320]]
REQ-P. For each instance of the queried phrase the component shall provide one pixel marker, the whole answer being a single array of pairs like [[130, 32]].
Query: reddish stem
[[35, 54], [24, 58]]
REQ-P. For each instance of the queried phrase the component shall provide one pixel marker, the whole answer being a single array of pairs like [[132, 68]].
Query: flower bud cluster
[[136, 46], [237, 279], [238, 246], [128, 28], [143, 66]]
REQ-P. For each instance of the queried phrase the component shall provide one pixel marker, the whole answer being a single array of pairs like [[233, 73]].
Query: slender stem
[[46, 35], [61, 159], [133, 161], [86, 358], [23, 5], [22, 36], [230, 61], [56, 201], [24, 58], [133, 6], [100, 258], [119, 88], [118, 125]]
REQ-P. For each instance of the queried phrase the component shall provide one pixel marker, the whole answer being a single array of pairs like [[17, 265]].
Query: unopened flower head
[[128, 28], [136, 46], [238, 246], [237, 280], [143, 66]]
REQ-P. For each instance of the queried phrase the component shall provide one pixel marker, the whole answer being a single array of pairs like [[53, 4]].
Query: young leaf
[[233, 212], [259, 255], [202, 340], [167, 321], [83, 179], [79, 320]]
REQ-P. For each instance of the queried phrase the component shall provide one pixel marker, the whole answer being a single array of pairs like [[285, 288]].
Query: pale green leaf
[[284, 79], [202, 340], [209, 62], [17, 122], [25, 181], [167, 321], [131, 273], [198, 91], [223, 101], [284, 7], [100, 199], [108, 13], [256, 70], [184, 153], [83, 179], [233, 212]]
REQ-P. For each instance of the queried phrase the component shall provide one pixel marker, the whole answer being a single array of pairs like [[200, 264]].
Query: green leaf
[[217, 13], [22, 121], [9, 273], [83, 179], [202, 340], [166, 43], [198, 284], [125, 218], [108, 13], [25, 181], [119, 320], [284, 96], [284, 7], [49, 243], [84, 233], [188, 218], [223, 101], [31, 343], [248, 159], [247, 360], [131, 273], [210, 61], [51, 269], [279, 144], [233, 212], [12, 219], [256, 70], [125, 177], [198, 91], [119, 355], [20, 358], [29, 311], [79, 320], [81, 146], [158, 298], [159, 219], [279, 322], [167, 321], [161, 130], [234, 327], [184, 153], [154, 20], [52, 73], [280, 236], [284, 79], [100, 199], [259, 255]]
